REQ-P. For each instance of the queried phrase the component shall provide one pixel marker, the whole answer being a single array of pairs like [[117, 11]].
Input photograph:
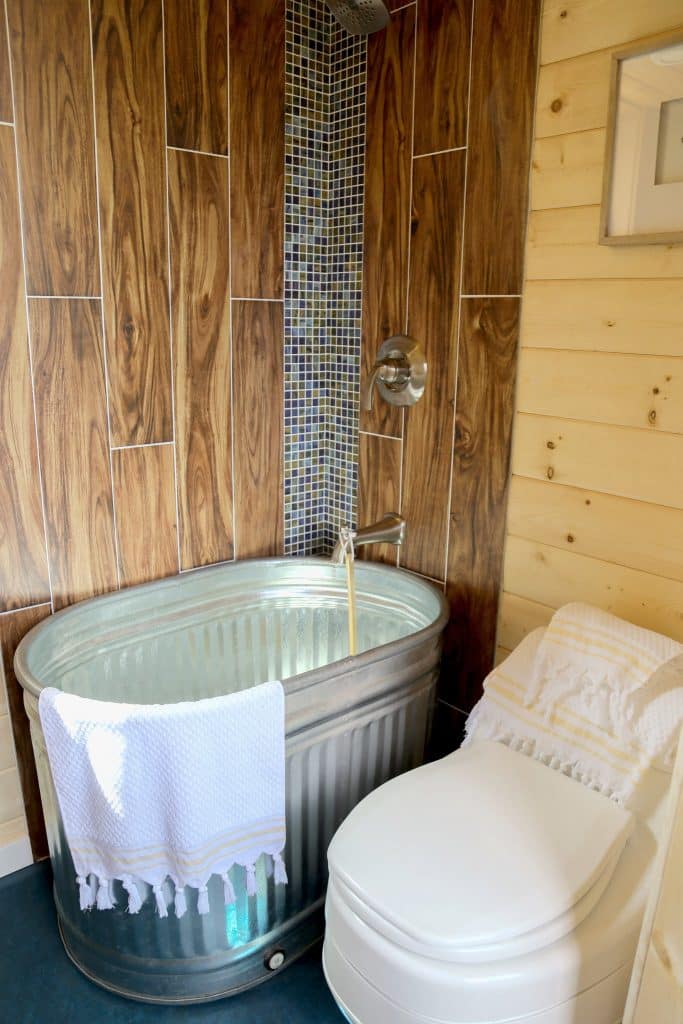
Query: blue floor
[[39, 985]]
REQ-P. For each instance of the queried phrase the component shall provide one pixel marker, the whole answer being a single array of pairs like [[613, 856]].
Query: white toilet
[[488, 888]]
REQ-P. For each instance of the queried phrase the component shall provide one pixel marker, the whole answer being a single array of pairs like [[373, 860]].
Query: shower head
[[360, 17]]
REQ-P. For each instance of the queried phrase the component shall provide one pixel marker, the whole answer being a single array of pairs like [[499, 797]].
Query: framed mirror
[[642, 199]]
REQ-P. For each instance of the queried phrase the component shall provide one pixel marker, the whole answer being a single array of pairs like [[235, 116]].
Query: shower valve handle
[[393, 373], [399, 373]]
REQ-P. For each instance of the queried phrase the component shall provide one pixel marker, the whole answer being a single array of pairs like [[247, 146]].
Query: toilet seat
[[527, 942], [483, 855], [385, 968]]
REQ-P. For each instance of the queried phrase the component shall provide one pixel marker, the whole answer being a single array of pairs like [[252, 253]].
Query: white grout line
[[424, 576], [170, 303], [147, 444], [410, 236], [41, 483], [26, 608], [462, 273], [198, 152], [230, 333], [209, 565], [7, 124], [454, 707], [80, 298], [439, 152], [384, 437], [243, 298], [105, 361]]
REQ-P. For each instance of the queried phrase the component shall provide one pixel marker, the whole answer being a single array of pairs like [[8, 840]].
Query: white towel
[[605, 658], [179, 791], [600, 699]]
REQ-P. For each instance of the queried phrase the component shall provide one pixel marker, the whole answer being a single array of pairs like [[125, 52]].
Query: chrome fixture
[[360, 17], [391, 529], [399, 373]]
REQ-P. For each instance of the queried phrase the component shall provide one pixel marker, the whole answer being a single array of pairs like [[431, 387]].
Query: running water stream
[[351, 596], [346, 536]]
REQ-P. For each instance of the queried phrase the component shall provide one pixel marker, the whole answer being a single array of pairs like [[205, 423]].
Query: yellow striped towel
[[579, 699]]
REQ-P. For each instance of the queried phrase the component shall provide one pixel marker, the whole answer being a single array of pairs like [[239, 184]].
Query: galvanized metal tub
[[351, 723]]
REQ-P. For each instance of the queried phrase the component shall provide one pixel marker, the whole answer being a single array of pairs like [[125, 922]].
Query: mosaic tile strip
[[342, 356], [324, 163]]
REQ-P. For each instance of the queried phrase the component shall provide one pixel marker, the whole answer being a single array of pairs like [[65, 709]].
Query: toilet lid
[[482, 855]]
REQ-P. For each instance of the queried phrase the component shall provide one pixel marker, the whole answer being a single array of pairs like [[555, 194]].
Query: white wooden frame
[[650, 45]]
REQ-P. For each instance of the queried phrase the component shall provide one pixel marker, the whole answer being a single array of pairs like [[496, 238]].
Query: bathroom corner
[[340, 356]]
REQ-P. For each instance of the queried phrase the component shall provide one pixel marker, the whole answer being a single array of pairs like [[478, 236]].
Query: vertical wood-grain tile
[[448, 730], [257, 111], [23, 566], [6, 113], [13, 628], [505, 42], [144, 492], [129, 100], [438, 186], [481, 462], [388, 160], [196, 34], [68, 367], [442, 74], [257, 338], [379, 485], [56, 143], [200, 261]]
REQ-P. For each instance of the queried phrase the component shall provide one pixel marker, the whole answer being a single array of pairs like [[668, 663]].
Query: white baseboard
[[15, 855]]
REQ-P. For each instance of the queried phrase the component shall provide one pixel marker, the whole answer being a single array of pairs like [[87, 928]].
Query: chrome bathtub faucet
[[391, 529]]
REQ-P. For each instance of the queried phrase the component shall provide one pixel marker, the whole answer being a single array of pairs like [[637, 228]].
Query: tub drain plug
[[275, 960]]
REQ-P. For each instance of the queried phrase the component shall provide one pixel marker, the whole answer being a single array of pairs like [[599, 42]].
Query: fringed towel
[[600, 699], [150, 793]]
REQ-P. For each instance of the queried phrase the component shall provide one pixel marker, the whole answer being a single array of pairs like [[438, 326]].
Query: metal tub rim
[[292, 684]]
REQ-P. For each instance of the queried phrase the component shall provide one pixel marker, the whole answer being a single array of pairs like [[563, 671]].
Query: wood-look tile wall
[[135, 202], [596, 497], [450, 107]]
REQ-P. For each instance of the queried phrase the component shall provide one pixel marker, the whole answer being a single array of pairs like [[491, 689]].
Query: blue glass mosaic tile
[[324, 169]]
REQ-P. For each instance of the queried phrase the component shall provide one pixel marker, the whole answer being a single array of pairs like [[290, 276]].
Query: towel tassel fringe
[[228, 890], [85, 896], [203, 900], [180, 901], [104, 898], [162, 909], [134, 899], [280, 870]]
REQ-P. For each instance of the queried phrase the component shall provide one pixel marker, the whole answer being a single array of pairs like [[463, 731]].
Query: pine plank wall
[[596, 499], [141, 238]]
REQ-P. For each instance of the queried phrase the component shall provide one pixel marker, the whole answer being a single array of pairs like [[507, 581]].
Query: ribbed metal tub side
[[350, 726]]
